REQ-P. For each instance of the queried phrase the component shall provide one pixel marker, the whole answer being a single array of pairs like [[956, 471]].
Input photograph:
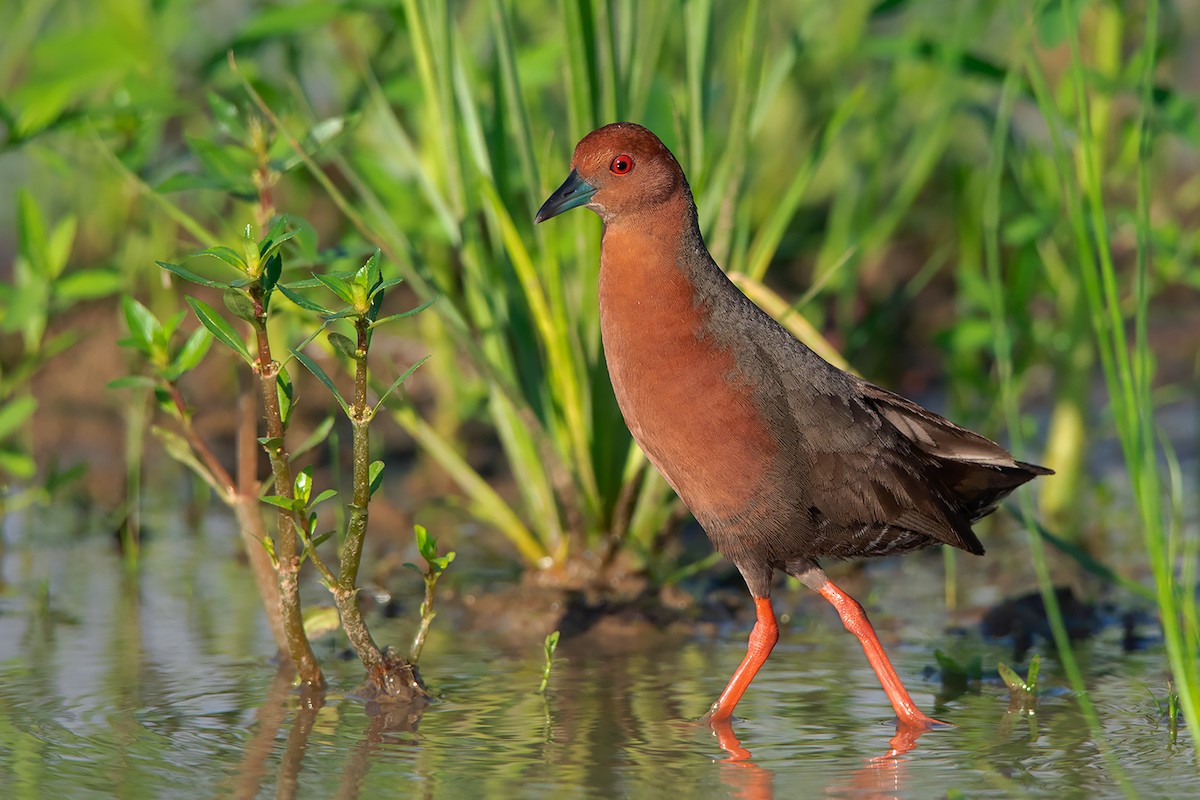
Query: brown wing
[[869, 482], [975, 471]]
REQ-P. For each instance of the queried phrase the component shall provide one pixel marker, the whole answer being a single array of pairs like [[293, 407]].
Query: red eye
[[621, 165]]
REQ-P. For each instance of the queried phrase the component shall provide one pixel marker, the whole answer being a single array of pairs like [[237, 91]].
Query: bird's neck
[[656, 281], [656, 263]]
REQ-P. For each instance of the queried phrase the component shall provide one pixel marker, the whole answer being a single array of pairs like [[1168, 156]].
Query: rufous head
[[619, 170]]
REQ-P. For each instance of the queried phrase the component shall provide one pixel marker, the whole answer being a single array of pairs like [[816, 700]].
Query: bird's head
[[619, 170]]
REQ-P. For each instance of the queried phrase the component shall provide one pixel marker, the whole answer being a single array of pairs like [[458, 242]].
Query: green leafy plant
[[549, 646], [362, 292], [435, 565], [42, 291], [1022, 692], [297, 538]]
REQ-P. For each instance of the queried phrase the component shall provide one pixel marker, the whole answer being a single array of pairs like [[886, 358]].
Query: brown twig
[[288, 569]]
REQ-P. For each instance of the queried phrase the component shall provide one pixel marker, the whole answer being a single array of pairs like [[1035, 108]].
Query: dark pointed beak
[[575, 191]]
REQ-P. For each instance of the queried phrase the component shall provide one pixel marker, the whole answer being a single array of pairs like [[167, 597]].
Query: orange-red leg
[[855, 620], [762, 640]]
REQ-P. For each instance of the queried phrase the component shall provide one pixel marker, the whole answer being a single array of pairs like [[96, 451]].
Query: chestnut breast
[[678, 387]]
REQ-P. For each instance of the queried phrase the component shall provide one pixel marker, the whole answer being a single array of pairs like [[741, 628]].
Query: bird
[[784, 459]]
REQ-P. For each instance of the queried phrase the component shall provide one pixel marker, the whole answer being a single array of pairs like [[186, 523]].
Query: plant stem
[[267, 368], [346, 593], [250, 518], [222, 481], [427, 615]]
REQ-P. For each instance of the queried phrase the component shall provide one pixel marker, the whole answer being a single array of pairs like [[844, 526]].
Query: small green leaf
[[269, 545], [270, 276], [58, 247], [31, 232], [89, 284], [337, 285], [426, 544], [169, 326], [17, 464], [271, 442], [275, 240], [360, 289], [14, 413], [396, 383], [375, 476], [383, 286], [226, 254], [306, 283], [133, 382], [303, 486], [240, 304], [324, 378], [144, 327], [301, 300], [321, 538], [193, 351], [405, 314], [165, 401], [1031, 675], [363, 277], [322, 497], [219, 327], [343, 345], [1011, 678], [286, 503], [287, 395]]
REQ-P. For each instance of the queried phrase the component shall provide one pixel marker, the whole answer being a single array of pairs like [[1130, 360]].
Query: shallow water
[[161, 686]]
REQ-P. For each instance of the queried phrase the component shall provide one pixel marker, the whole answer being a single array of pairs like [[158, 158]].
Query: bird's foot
[[920, 723]]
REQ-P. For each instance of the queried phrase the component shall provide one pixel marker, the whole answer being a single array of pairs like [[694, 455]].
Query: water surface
[[161, 685]]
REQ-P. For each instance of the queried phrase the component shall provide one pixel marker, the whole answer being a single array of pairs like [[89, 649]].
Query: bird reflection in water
[[879, 777]]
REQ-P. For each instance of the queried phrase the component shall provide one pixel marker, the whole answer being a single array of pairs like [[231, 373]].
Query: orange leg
[[855, 620], [762, 640]]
